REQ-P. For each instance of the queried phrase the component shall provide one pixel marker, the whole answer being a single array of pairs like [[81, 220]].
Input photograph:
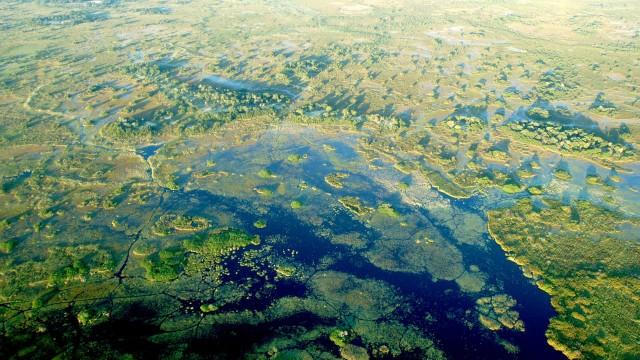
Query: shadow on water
[[249, 86], [10, 183], [561, 115]]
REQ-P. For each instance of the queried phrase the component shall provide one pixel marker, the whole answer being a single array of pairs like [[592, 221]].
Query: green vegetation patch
[[37, 281], [495, 312], [594, 179], [164, 265], [445, 185], [129, 130], [297, 158], [511, 188], [171, 223], [266, 174], [574, 255], [220, 242], [260, 224], [388, 210], [208, 308], [562, 174], [571, 139], [354, 205], [296, 204], [335, 180], [7, 246]]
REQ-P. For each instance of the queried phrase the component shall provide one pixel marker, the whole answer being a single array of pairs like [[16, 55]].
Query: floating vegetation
[[297, 158], [422, 254], [341, 291], [472, 281], [511, 187], [594, 179], [387, 210], [35, 283], [208, 308], [164, 265], [562, 174], [495, 312], [535, 190], [220, 242], [260, 224], [351, 239], [7, 246], [266, 174], [328, 147], [171, 223], [354, 205], [265, 191], [335, 179]]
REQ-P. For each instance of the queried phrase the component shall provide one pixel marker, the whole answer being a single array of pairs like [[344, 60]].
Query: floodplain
[[319, 180]]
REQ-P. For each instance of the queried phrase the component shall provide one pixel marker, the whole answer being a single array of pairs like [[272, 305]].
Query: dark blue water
[[441, 300], [148, 151]]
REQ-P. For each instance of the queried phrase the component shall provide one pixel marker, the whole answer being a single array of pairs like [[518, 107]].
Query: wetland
[[311, 180]]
